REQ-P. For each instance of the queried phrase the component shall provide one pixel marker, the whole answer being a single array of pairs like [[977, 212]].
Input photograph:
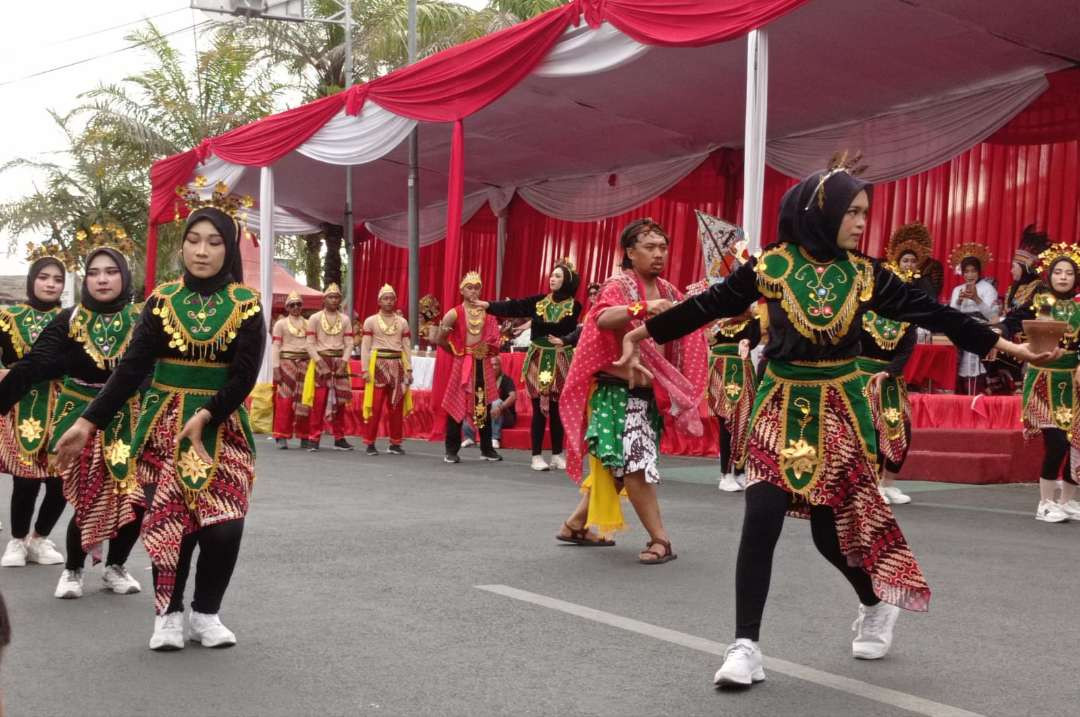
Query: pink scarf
[[680, 368]]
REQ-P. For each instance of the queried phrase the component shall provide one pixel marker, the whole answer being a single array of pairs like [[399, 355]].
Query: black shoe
[[371, 450], [490, 455], [282, 444], [397, 450], [313, 446], [451, 458], [342, 445]]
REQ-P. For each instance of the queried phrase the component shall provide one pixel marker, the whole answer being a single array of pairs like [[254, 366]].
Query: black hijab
[[233, 269], [31, 277], [123, 299], [812, 211], [570, 283], [1076, 278]]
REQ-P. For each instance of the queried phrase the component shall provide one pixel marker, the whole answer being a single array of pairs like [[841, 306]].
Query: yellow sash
[[369, 386], [605, 510], [308, 396]]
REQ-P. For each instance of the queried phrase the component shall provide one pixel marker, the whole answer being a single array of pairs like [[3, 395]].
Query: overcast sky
[[38, 36]]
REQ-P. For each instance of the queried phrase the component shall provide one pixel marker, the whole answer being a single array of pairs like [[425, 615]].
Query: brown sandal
[[580, 536], [667, 557]]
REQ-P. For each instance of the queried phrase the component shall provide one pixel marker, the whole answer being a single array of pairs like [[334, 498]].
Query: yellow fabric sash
[[308, 396], [605, 510], [369, 386]]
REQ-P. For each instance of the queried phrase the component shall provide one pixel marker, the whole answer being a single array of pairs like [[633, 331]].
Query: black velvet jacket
[[243, 356], [751, 332], [526, 309], [892, 298]]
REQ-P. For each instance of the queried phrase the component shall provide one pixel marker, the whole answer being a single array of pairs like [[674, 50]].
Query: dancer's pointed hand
[[193, 432], [631, 356]]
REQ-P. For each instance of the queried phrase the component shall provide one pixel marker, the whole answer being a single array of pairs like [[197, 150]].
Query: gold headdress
[[973, 250], [332, 288], [840, 162], [911, 238], [473, 277], [293, 298], [1032, 244], [1058, 251], [386, 289], [568, 263], [235, 206]]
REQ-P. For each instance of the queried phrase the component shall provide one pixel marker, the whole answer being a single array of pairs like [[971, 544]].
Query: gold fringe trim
[[79, 331], [182, 340]]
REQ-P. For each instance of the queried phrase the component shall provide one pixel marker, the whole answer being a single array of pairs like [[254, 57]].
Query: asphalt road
[[356, 594]]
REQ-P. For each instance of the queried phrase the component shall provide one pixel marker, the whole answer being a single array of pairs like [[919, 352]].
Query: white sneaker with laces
[[496, 444], [538, 464], [729, 484], [1071, 508], [43, 552], [558, 462], [69, 585], [742, 665], [120, 581], [14, 554], [168, 632], [874, 631], [894, 495], [1048, 512], [208, 630], [468, 442]]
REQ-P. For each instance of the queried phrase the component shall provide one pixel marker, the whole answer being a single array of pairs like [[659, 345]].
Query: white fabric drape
[[394, 229], [215, 170], [266, 253], [286, 221], [910, 139], [585, 51], [588, 198], [364, 138]]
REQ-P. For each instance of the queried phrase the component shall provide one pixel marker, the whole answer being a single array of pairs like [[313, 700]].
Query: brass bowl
[[1044, 334]]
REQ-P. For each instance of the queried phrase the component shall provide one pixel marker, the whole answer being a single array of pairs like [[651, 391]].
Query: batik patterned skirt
[[25, 433], [891, 411], [293, 368], [1049, 397], [812, 434], [544, 371], [730, 393]]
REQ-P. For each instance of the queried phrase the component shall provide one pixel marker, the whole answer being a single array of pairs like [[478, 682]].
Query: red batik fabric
[[169, 518], [459, 398], [734, 413], [11, 459], [869, 535]]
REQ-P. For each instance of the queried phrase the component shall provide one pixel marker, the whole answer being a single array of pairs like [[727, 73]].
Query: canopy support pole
[[757, 95], [414, 203], [500, 251], [266, 257], [350, 254]]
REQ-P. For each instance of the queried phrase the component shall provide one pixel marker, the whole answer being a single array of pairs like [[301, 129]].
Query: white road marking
[[884, 695]]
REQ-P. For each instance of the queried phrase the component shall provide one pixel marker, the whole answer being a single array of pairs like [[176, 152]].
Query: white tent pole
[[757, 95], [266, 257], [500, 251]]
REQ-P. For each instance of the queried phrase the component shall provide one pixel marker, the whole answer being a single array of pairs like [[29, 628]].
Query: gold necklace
[[475, 319], [331, 329], [390, 330], [297, 332]]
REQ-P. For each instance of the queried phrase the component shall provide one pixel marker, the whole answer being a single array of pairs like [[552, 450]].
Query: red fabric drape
[[684, 23], [1053, 117]]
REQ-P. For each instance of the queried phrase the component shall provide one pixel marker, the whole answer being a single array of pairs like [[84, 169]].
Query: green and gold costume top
[[104, 337], [199, 326], [22, 324]]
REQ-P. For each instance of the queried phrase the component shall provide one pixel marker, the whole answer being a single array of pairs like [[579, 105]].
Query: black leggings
[[536, 430], [766, 505], [219, 546], [725, 446], [24, 492], [1056, 456], [119, 547]]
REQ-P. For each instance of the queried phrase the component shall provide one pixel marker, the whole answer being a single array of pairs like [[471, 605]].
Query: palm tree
[[83, 202]]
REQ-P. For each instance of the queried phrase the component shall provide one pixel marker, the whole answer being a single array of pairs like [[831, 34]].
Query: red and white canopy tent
[[553, 108]]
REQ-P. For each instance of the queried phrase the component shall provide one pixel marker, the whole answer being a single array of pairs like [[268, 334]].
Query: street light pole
[[414, 202]]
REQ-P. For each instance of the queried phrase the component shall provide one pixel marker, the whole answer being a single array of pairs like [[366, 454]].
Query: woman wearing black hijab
[[81, 346], [812, 445], [24, 432], [554, 316], [203, 338]]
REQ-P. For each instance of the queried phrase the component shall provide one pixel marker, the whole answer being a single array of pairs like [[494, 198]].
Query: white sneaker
[[208, 630], [168, 632], [496, 444], [883, 494], [742, 665], [729, 484], [120, 581], [468, 442], [1048, 512], [558, 462], [894, 495], [874, 631], [43, 552], [1071, 508], [741, 480], [70, 585], [538, 464], [14, 554]]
